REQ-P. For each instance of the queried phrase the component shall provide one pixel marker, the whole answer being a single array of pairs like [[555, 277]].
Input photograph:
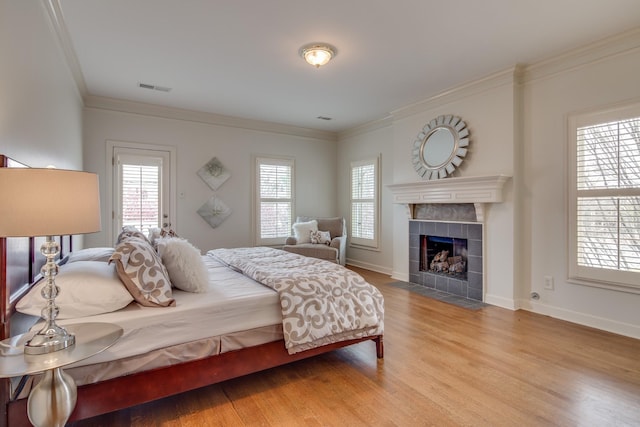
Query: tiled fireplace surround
[[470, 288], [451, 207]]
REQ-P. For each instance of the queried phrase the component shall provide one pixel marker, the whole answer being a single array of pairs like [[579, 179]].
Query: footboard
[[131, 390]]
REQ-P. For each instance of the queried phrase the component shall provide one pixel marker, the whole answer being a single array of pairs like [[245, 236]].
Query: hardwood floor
[[443, 366]]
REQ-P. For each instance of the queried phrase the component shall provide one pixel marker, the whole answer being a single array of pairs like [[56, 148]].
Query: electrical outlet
[[548, 282]]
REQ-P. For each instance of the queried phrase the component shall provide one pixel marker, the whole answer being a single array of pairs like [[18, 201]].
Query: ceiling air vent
[[154, 87]]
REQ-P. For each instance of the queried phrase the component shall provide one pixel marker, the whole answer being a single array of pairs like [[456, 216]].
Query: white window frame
[[626, 281], [111, 203], [355, 241], [270, 160]]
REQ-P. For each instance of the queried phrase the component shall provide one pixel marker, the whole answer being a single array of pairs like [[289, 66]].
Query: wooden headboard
[[20, 264]]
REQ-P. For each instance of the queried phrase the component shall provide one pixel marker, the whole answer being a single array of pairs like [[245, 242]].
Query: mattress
[[234, 313], [233, 303]]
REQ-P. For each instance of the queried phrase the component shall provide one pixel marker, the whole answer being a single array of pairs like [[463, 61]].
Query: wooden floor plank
[[444, 366]]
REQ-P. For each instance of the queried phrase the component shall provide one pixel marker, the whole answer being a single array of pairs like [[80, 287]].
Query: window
[[365, 189], [274, 200], [605, 199], [140, 192]]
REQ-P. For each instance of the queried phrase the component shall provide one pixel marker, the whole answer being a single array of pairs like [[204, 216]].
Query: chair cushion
[[314, 250]]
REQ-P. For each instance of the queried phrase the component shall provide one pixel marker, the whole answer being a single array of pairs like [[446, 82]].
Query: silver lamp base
[[51, 337], [43, 343]]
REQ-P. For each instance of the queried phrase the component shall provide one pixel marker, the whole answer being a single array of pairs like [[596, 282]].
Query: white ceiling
[[240, 57]]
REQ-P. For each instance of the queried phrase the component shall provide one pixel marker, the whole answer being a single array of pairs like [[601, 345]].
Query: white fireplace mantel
[[475, 189]]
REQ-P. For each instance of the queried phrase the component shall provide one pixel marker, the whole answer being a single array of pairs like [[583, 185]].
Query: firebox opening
[[444, 255]]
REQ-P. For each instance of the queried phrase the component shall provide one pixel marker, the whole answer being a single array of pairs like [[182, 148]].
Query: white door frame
[[110, 181]]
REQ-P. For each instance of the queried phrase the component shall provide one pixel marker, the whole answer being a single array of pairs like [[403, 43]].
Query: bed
[[246, 322]]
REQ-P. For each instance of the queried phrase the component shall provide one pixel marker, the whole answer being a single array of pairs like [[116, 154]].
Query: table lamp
[[48, 202]]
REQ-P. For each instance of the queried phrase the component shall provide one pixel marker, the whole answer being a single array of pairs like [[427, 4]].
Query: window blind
[[275, 183], [363, 201], [608, 195], [140, 196]]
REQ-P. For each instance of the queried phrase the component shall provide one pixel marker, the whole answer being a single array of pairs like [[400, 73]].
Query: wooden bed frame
[[19, 265]]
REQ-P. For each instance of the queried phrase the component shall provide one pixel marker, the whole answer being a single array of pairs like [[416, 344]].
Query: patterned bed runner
[[321, 302]]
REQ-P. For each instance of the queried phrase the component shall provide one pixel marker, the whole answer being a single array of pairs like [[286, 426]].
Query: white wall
[[361, 145], [196, 143], [518, 125], [40, 106], [586, 80], [487, 107]]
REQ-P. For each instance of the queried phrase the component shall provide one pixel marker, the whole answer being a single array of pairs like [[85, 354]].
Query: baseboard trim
[[371, 267], [507, 303], [397, 275], [619, 328]]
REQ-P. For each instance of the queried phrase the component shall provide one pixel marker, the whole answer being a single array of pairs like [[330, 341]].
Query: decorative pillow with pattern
[[158, 233], [168, 232], [130, 231], [140, 269], [320, 237]]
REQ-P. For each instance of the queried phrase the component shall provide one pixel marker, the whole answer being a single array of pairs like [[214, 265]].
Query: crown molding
[[459, 92], [366, 128], [619, 44], [132, 107], [56, 17], [60, 28]]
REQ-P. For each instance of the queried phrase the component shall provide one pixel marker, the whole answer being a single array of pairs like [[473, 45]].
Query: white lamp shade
[[48, 202]]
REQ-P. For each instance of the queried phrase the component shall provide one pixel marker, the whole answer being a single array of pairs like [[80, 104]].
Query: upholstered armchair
[[324, 238]]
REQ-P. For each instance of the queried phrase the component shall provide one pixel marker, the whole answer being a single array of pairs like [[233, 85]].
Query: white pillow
[[91, 254], [87, 288], [302, 230], [184, 264]]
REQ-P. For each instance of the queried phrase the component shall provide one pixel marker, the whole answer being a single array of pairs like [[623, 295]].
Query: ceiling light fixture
[[317, 54]]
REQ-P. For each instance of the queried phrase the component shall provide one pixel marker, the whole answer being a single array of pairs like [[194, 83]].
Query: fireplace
[[447, 256], [453, 207]]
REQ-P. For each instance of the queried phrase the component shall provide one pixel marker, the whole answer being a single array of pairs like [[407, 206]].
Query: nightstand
[[52, 400]]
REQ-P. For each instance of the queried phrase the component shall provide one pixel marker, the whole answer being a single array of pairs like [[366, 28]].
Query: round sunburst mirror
[[440, 147]]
